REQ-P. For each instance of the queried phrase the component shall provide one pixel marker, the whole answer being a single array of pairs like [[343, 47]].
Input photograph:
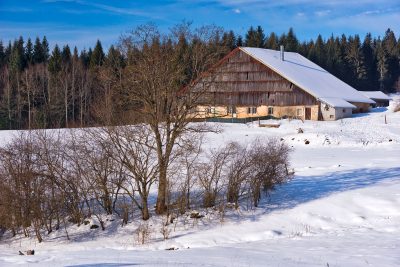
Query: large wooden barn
[[252, 83]]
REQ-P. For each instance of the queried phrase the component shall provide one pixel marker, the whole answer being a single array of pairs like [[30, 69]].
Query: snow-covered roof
[[307, 75], [378, 95], [336, 102]]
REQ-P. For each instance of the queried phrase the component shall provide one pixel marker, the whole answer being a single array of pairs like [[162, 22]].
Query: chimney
[[282, 53]]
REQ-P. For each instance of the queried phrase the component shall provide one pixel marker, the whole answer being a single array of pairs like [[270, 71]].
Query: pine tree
[[16, 60], [2, 55], [66, 55], [397, 84], [229, 40], [21, 52], [370, 63], [75, 55], [311, 54], [29, 51], [249, 36], [255, 38], [260, 37], [389, 43], [38, 56], [319, 51], [183, 51], [355, 59], [55, 61], [303, 49], [45, 49], [84, 58], [398, 46], [97, 57], [382, 64], [331, 57], [7, 52], [272, 42], [282, 39], [291, 43], [113, 57], [239, 41]]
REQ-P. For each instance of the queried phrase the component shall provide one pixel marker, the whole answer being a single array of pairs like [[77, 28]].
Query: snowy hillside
[[342, 208]]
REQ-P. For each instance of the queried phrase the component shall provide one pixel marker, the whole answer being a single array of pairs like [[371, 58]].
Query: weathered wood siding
[[243, 81], [361, 107]]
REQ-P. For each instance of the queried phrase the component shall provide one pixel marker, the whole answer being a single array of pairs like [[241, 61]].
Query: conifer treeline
[[367, 65], [64, 88]]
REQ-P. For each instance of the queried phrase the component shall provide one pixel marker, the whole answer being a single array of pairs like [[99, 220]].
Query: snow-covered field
[[341, 209]]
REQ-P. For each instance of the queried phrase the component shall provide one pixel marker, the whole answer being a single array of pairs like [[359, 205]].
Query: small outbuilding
[[335, 108], [381, 99]]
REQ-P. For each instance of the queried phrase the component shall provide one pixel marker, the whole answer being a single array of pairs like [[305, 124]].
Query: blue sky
[[82, 22]]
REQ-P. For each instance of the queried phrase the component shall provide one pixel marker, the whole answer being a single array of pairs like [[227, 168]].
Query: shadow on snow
[[308, 188], [373, 110], [103, 265]]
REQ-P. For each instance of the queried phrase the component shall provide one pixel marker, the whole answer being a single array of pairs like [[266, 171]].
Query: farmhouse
[[251, 83], [381, 100]]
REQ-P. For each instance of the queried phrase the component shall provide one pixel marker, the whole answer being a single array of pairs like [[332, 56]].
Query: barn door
[[308, 114]]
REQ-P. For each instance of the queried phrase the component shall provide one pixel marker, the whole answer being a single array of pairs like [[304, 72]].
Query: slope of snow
[[307, 75], [341, 209]]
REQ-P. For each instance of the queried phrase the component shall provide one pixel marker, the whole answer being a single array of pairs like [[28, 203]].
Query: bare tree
[[187, 164], [270, 162], [133, 148], [212, 174], [239, 171], [155, 75]]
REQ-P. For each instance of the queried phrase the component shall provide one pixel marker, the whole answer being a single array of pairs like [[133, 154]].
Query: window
[[268, 95], [270, 110], [331, 116], [231, 109], [299, 112], [247, 75], [344, 111], [252, 110], [210, 110]]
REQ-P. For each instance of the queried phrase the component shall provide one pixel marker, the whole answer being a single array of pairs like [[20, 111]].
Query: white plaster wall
[[328, 113], [343, 113]]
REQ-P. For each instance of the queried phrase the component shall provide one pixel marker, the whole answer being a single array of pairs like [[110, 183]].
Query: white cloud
[[322, 13], [237, 11], [368, 22], [106, 8], [379, 11]]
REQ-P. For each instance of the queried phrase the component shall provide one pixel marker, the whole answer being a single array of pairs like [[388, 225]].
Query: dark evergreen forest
[[65, 87]]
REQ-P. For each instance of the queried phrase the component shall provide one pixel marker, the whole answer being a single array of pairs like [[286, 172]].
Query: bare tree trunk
[[66, 102], [145, 210], [9, 101], [29, 99], [161, 206], [73, 90]]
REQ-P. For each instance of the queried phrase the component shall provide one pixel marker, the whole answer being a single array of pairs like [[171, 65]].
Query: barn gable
[[242, 80]]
